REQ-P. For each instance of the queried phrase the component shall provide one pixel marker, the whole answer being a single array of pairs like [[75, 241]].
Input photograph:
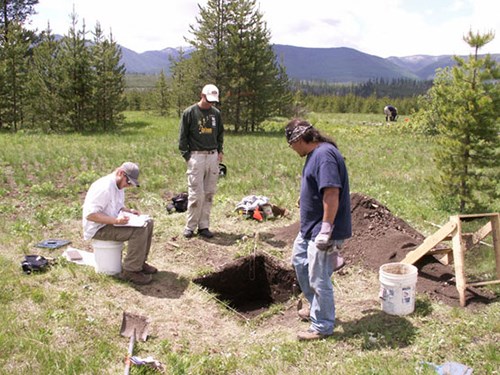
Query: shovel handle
[[130, 352]]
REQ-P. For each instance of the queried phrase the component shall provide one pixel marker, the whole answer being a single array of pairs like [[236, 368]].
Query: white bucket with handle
[[108, 256], [397, 288]]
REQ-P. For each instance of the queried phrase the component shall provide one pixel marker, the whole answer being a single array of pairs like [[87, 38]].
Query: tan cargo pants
[[202, 173]]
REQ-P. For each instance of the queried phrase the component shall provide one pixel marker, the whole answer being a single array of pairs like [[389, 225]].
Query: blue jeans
[[314, 269]]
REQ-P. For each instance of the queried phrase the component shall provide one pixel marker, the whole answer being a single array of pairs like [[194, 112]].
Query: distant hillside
[[337, 65], [149, 62], [425, 66], [341, 65]]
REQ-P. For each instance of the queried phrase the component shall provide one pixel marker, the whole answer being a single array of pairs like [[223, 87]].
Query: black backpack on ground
[[179, 203], [34, 263]]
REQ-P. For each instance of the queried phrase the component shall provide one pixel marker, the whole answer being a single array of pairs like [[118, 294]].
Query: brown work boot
[[148, 269], [311, 335], [303, 311], [139, 278]]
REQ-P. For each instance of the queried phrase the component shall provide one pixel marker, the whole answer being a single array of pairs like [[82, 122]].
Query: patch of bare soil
[[184, 312], [379, 237]]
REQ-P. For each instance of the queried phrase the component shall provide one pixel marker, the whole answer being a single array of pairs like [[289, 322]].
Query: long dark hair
[[311, 134]]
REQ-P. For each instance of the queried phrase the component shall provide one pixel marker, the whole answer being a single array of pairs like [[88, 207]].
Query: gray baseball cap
[[132, 172]]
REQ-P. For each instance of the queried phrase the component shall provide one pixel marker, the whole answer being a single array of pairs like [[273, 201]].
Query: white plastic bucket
[[108, 256], [397, 288]]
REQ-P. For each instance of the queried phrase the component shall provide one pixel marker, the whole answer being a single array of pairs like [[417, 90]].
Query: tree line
[[380, 87], [316, 96], [300, 99], [75, 83]]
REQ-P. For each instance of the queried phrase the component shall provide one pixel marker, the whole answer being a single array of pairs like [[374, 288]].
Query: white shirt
[[103, 197]]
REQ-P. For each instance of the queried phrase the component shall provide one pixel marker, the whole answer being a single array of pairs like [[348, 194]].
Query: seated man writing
[[102, 212]]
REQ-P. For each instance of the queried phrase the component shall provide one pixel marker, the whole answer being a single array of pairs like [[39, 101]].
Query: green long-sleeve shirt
[[200, 130]]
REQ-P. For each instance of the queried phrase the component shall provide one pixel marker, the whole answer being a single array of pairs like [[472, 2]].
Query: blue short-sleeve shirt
[[324, 167]]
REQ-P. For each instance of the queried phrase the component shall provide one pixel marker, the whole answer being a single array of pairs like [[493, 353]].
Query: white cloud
[[383, 27]]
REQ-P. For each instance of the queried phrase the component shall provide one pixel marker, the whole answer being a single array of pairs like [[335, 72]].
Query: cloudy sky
[[379, 27]]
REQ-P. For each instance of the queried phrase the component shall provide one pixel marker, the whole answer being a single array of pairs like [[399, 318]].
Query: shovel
[[136, 327]]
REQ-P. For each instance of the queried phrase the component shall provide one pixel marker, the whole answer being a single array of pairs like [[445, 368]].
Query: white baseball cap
[[211, 92]]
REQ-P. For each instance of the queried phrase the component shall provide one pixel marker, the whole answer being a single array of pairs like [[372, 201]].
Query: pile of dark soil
[[379, 238]]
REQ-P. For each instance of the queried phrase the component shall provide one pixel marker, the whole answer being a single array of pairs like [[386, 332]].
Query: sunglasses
[[128, 179]]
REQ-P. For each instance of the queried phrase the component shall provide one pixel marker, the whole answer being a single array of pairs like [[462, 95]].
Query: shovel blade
[[134, 322]]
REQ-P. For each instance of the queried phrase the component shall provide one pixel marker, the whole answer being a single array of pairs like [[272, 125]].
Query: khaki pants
[[202, 173], [139, 243]]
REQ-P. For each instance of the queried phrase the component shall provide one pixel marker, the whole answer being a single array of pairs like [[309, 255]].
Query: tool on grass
[[136, 327], [130, 352]]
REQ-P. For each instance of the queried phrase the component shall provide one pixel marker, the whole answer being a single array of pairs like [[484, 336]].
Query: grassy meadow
[[67, 320]]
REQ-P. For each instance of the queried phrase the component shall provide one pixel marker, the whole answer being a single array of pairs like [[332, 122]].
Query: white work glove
[[322, 240]]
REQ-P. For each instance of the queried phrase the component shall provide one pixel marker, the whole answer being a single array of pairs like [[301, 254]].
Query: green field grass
[[141, 81], [61, 322]]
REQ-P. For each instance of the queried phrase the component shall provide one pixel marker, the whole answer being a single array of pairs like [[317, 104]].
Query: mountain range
[[339, 65]]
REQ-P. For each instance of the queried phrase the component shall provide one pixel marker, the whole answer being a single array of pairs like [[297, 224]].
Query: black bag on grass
[[179, 203], [34, 263]]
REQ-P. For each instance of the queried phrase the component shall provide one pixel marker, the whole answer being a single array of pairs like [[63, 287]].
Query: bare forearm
[[101, 218], [330, 204]]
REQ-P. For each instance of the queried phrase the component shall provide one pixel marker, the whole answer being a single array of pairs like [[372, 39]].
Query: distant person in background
[[325, 222], [201, 140], [102, 209], [391, 113]]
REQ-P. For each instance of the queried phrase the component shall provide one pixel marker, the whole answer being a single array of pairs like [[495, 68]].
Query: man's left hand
[[323, 239]]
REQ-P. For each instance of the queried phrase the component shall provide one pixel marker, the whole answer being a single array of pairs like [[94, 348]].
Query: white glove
[[322, 240]]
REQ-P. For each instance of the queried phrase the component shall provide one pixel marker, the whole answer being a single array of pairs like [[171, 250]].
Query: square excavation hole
[[251, 284]]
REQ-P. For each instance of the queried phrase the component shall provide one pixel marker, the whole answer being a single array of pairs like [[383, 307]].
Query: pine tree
[[15, 42], [185, 80], [14, 51], [465, 105], [44, 104], [109, 81], [3, 91], [78, 78], [251, 67], [15, 10], [283, 95], [210, 40], [162, 94], [233, 51]]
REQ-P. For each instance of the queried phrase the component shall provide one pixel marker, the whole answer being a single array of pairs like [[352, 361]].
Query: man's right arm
[[101, 218], [95, 205], [183, 136]]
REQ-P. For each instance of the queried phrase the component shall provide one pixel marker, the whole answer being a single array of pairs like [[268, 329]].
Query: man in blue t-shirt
[[325, 222]]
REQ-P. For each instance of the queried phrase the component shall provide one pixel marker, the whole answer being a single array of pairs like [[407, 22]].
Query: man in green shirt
[[201, 139]]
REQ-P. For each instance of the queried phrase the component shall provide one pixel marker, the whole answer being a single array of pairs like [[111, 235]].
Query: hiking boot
[[311, 335], [304, 314], [148, 269], [205, 233], [303, 311], [139, 278], [188, 233]]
